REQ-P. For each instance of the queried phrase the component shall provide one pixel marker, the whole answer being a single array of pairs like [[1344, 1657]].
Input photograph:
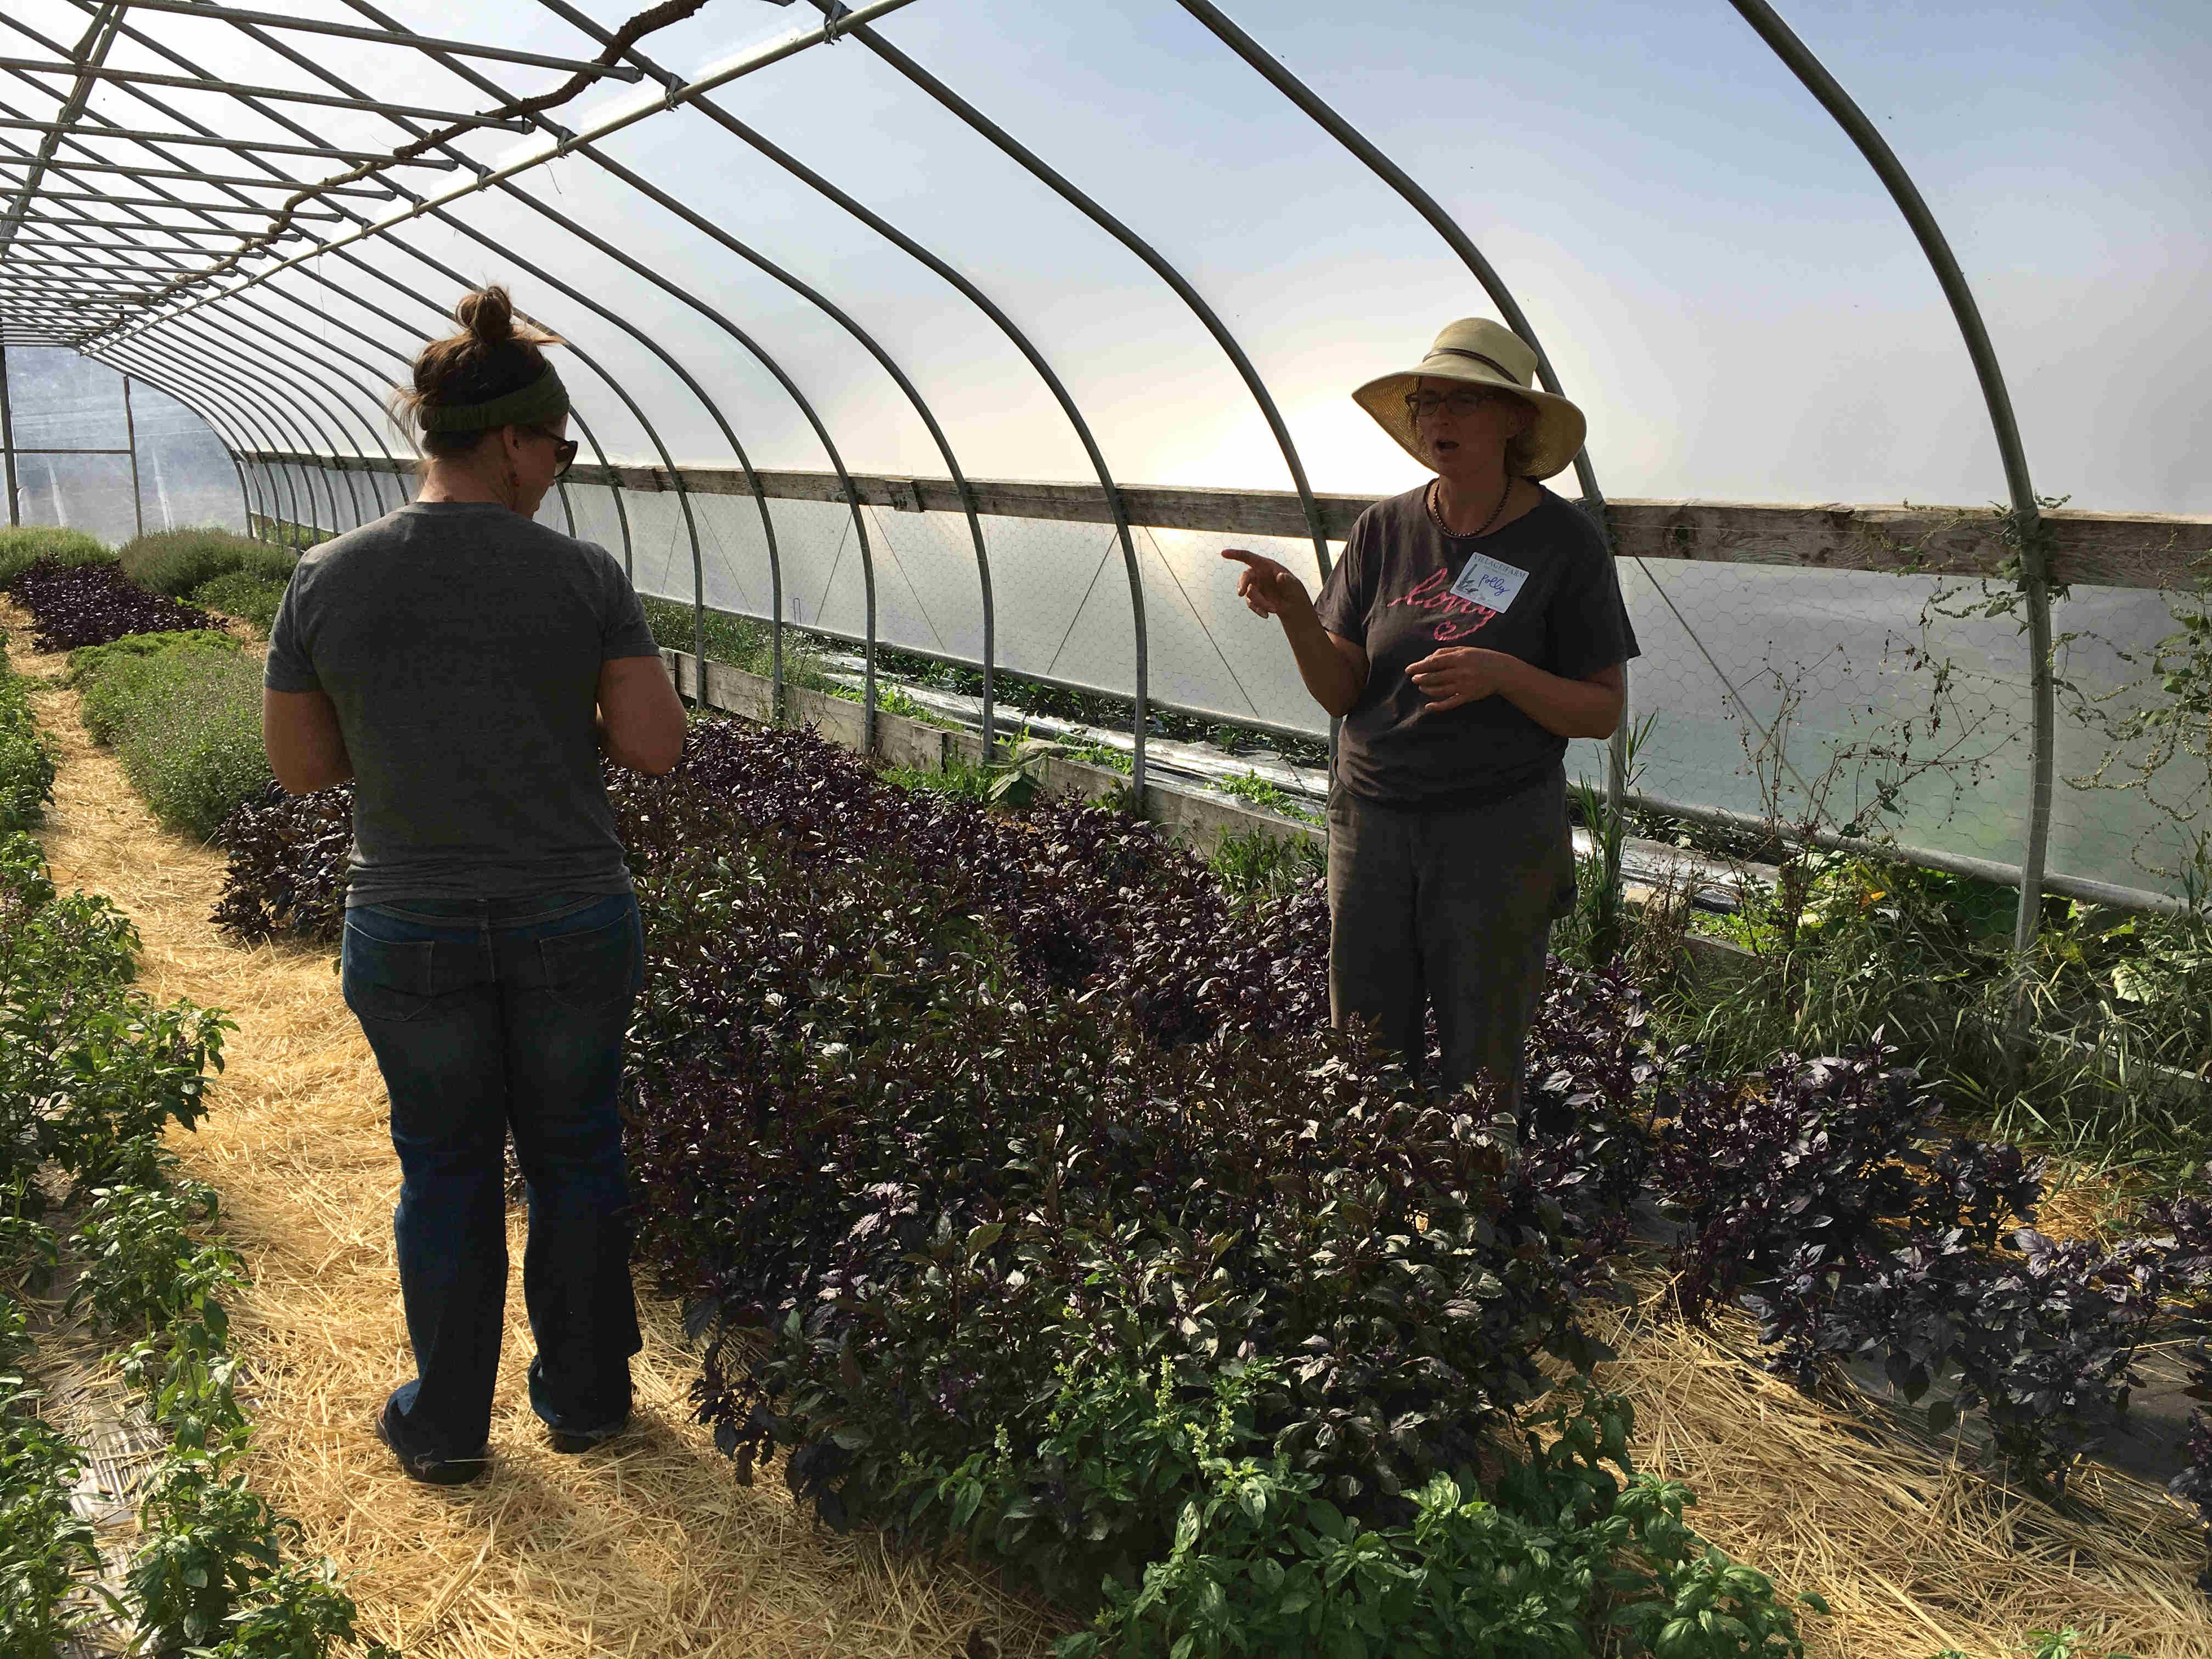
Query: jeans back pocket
[[387, 979], [595, 969]]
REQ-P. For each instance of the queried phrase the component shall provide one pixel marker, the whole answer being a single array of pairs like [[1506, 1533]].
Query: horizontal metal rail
[[84, 245], [47, 219], [1956, 864], [326, 99], [325, 152], [172, 202], [2108, 549], [271, 19], [192, 176]]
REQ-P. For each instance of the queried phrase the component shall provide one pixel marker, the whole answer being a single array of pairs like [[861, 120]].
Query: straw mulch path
[[648, 1548], [654, 1549], [1915, 1546]]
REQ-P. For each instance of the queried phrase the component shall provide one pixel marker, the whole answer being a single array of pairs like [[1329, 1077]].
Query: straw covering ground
[[652, 1547], [647, 1548]]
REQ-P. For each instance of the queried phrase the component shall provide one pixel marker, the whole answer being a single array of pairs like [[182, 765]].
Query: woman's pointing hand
[[1267, 585]]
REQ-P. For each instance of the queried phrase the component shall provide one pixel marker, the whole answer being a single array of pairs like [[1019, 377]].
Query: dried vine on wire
[[646, 23]]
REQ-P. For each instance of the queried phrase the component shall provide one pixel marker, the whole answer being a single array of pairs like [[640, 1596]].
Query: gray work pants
[[1448, 907]]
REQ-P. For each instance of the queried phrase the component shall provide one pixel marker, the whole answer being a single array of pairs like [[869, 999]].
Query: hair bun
[[488, 314]]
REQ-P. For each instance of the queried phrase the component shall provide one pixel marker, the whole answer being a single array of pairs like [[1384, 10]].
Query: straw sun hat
[[1479, 352]]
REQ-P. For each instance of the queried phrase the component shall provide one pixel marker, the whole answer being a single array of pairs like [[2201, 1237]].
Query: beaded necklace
[[1436, 518]]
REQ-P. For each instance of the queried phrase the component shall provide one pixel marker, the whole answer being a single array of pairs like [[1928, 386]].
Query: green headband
[[541, 403]]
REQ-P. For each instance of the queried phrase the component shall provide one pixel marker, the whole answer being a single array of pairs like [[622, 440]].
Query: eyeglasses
[[1419, 404], [564, 450]]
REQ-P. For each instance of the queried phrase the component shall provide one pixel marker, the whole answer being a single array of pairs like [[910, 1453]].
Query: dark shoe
[[431, 1470], [565, 1440]]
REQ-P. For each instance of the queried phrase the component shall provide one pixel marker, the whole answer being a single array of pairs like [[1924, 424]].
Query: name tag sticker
[[1488, 582]]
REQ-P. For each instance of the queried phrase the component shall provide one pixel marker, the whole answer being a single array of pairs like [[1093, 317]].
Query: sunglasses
[[564, 450]]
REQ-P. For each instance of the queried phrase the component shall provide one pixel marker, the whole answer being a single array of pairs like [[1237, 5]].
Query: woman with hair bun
[[467, 667]]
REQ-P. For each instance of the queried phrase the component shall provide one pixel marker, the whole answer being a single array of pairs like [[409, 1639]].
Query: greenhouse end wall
[[61, 402]]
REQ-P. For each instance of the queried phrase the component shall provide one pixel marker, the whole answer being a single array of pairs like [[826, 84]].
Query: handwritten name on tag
[[1488, 582]]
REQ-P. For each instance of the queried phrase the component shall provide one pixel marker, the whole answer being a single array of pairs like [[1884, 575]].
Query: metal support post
[[7, 436], [2025, 517], [131, 436]]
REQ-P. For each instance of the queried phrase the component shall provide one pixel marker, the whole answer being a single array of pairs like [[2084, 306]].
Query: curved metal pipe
[[744, 462], [163, 378], [162, 383], [2026, 511], [1129, 238], [301, 401], [319, 398], [699, 636], [821, 302], [323, 397], [614, 482], [264, 371], [1445, 226], [278, 404], [252, 487], [161, 50], [1021, 342], [249, 409], [675, 476], [335, 357]]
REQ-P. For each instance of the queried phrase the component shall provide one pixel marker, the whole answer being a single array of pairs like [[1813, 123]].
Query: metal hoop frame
[[81, 282]]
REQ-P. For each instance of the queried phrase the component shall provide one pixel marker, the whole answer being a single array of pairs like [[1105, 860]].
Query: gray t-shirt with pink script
[[461, 645]]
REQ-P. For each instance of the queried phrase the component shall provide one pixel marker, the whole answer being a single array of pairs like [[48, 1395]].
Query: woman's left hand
[[1462, 673]]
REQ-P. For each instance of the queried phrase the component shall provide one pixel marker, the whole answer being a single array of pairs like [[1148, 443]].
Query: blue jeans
[[487, 1016]]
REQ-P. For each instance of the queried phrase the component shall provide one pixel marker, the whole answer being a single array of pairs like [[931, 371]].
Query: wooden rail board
[[2111, 550]]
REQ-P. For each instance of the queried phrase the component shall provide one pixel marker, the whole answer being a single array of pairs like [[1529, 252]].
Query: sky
[[1718, 277]]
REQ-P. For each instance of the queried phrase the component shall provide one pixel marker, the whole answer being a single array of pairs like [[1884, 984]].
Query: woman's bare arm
[[641, 717], [300, 733], [1587, 708], [1334, 668]]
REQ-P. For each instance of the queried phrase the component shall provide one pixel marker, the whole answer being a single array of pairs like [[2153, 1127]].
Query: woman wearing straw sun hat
[[1473, 626]]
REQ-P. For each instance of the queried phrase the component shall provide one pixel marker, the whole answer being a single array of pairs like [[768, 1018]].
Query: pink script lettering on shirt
[[1434, 593]]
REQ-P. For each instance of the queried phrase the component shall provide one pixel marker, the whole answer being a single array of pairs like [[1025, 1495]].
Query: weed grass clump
[[242, 594], [740, 642], [27, 763], [175, 562], [185, 718]]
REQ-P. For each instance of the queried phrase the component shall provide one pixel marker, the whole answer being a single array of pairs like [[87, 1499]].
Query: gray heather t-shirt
[[1391, 593], [461, 644]]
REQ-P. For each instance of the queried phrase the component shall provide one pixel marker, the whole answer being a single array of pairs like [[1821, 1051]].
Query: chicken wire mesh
[[1875, 704]]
